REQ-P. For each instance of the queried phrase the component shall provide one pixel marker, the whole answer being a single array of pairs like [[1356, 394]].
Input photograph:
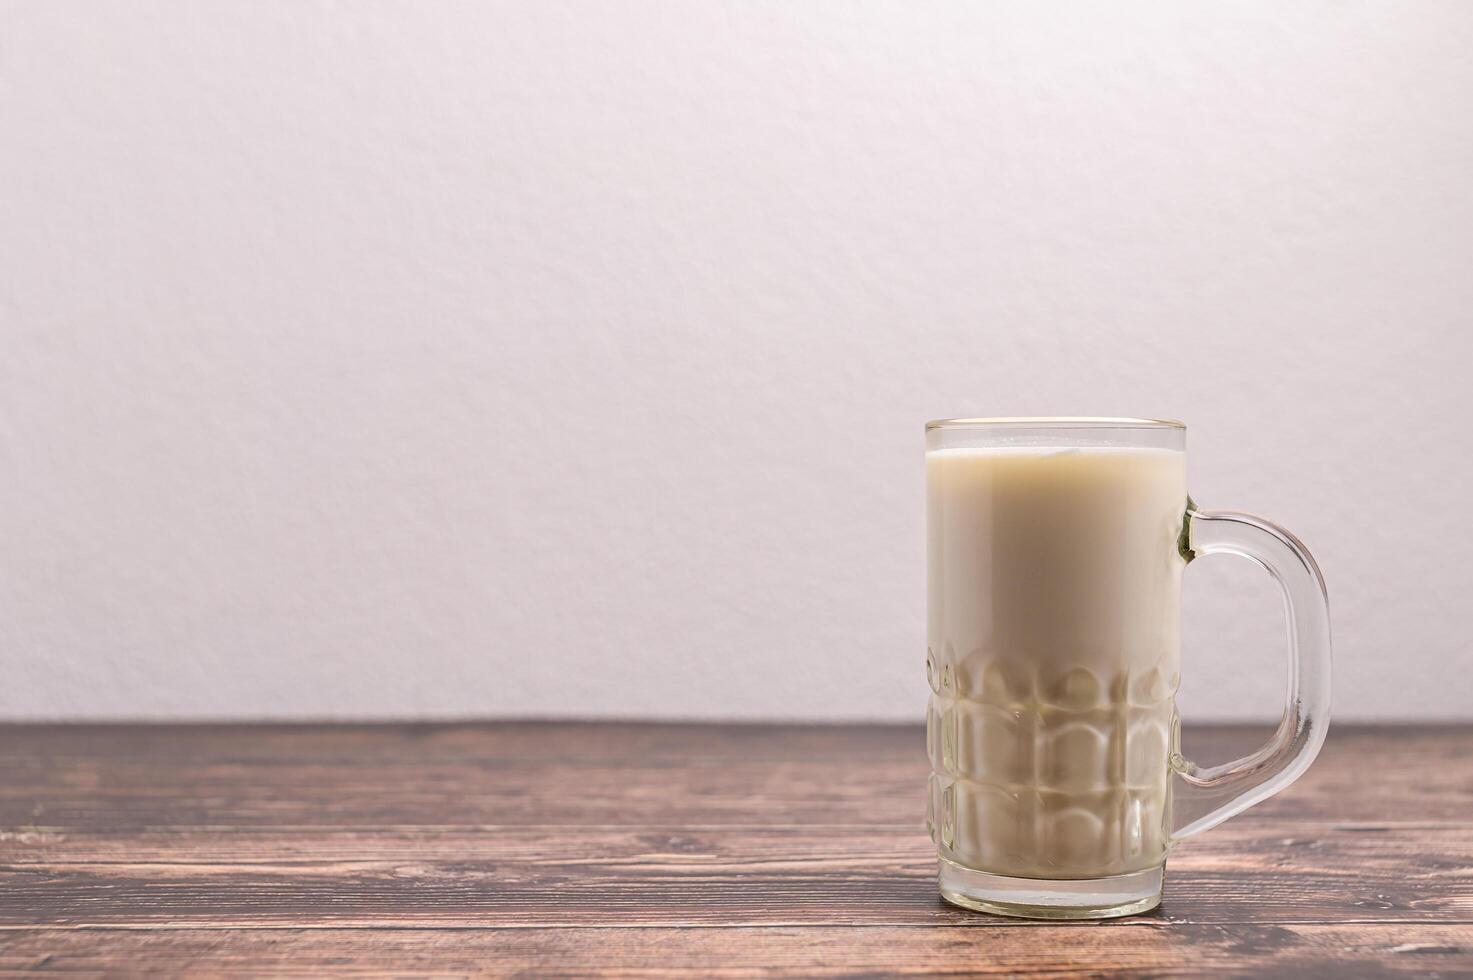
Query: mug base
[[1045, 898]]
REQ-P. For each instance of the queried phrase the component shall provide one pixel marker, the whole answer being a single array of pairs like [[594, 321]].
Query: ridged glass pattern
[[1039, 772]]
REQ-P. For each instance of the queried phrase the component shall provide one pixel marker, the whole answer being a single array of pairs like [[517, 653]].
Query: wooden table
[[551, 849]]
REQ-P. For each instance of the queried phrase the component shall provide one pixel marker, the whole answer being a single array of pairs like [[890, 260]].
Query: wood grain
[[675, 849], [1127, 949]]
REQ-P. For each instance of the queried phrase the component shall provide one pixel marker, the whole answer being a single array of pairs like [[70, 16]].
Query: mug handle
[[1204, 797]]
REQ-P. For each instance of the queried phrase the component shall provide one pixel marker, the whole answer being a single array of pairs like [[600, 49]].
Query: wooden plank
[[1039, 950], [120, 778], [1252, 872]]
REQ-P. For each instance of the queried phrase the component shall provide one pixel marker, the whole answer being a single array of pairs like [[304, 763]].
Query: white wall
[[545, 358]]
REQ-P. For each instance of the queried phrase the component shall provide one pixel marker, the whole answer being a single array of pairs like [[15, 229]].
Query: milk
[[1055, 579]]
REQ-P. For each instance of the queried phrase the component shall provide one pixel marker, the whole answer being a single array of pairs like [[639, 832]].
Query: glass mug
[[1055, 549]]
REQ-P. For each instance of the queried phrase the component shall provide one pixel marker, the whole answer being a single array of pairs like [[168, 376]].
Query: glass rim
[[1056, 422]]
